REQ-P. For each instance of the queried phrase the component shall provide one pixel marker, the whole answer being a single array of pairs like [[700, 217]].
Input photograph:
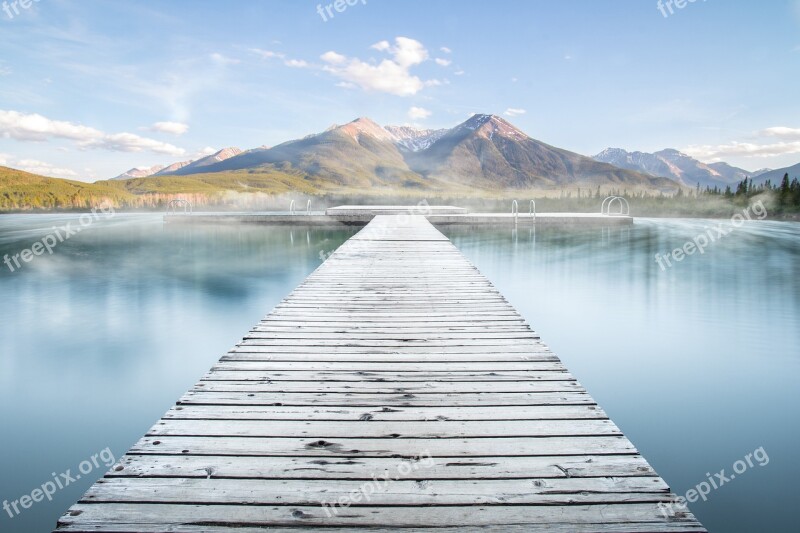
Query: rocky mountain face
[[675, 165], [485, 152]]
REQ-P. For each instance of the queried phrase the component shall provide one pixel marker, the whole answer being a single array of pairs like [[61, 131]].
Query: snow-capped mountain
[[484, 152], [414, 139], [139, 172], [192, 167], [675, 165]]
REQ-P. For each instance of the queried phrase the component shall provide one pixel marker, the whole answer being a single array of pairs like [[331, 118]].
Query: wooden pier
[[395, 388]]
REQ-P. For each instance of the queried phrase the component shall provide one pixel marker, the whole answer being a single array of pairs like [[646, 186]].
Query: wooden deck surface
[[395, 388]]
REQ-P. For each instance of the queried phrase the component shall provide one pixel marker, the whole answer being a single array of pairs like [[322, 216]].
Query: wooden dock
[[395, 388]]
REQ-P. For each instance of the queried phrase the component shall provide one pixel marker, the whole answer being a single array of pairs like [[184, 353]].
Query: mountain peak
[[414, 139], [364, 126], [675, 165], [489, 126], [139, 172]]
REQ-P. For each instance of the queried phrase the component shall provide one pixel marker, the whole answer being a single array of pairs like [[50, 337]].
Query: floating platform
[[395, 388], [437, 215]]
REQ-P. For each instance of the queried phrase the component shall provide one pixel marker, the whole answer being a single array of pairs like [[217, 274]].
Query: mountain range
[[486, 152], [183, 167], [677, 166]]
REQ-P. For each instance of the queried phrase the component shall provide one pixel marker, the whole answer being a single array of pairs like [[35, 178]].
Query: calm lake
[[699, 364]]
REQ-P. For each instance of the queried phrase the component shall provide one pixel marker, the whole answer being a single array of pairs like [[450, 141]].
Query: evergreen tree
[[785, 189]]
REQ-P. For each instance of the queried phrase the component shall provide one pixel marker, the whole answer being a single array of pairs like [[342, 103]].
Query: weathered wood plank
[[394, 401], [395, 360], [384, 447], [578, 517], [377, 429], [418, 414], [365, 468], [360, 376], [391, 489], [390, 387]]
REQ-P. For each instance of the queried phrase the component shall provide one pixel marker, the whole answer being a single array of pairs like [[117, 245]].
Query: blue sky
[[91, 88]]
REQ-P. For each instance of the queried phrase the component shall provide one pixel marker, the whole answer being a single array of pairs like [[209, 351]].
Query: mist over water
[[698, 364], [98, 340]]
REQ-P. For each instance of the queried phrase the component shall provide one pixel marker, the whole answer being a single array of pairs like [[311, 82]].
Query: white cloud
[[267, 54], [445, 50], [333, 58], [782, 132], [4, 159], [443, 62], [46, 169], [459, 72], [207, 151], [295, 63], [741, 149], [223, 60], [129, 142], [514, 112], [418, 113], [36, 128], [174, 128], [769, 142], [391, 76]]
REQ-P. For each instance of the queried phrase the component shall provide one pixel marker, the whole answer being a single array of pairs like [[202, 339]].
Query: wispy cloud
[[296, 63], [271, 54], [443, 62], [392, 76], [173, 128], [418, 113], [46, 169], [37, 128], [514, 112], [223, 60], [741, 149], [129, 142], [445, 50], [267, 54], [782, 132], [761, 144], [35, 166]]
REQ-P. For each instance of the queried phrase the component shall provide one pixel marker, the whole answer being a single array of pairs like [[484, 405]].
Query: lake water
[[698, 364]]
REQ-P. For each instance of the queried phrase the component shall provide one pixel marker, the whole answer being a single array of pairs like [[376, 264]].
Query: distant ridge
[[675, 165], [192, 167], [484, 152]]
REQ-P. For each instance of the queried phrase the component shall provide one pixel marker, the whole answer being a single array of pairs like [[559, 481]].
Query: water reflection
[[698, 363], [100, 338]]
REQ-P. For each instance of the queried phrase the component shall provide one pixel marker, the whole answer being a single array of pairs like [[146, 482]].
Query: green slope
[[23, 191]]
